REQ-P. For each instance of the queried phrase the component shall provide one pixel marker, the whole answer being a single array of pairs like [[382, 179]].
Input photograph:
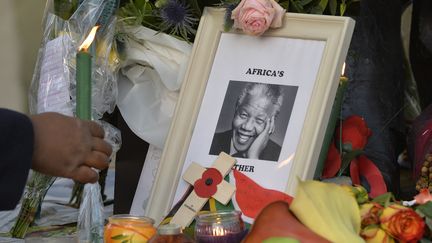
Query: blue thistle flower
[[228, 21], [177, 19]]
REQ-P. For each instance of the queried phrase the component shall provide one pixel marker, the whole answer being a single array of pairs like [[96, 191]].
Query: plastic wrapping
[[150, 81], [91, 213], [53, 83]]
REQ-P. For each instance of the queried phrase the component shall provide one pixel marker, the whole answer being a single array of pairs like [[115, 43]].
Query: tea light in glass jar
[[219, 227], [128, 228]]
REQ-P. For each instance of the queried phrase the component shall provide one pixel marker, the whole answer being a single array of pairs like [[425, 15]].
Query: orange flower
[[354, 132], [374, 234], [402, 223], [370, 213], [423, 197]]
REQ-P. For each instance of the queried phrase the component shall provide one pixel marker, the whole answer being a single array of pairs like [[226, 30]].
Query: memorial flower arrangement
[[180, 18], [342, 213]]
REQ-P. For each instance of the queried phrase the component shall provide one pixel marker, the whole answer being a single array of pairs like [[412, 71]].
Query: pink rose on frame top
[[254, 17]]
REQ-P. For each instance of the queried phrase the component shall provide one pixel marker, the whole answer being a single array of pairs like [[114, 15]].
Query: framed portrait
[[264, 100]]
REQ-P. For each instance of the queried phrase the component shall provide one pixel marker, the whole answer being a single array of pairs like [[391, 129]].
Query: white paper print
[[292, 64], [54, 92]]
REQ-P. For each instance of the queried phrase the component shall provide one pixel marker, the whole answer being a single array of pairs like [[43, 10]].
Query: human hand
[[261, 140], [68, 147]]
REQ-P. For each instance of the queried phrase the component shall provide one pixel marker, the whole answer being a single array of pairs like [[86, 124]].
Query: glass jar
[[129, 228], [170, 233], [219, 227]]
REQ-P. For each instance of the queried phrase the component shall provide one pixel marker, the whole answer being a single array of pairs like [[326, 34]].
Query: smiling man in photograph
[[253, 123]]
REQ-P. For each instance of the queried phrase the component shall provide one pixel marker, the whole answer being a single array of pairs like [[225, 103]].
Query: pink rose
[[254, 17]]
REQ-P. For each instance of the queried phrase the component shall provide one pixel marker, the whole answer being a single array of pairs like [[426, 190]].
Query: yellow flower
[[359, 193], [328, 210], [369, 213], [374, 234]]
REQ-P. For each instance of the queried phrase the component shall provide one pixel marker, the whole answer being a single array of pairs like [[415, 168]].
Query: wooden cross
[[194, 203]]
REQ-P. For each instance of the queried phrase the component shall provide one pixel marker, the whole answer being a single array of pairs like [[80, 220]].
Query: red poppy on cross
[[207, 183]]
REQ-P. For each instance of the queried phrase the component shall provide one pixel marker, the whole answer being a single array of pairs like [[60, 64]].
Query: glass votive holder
[[128, 228], [219, 227]]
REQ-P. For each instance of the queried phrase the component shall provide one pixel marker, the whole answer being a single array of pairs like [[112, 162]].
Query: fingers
[[267, 128], [100, 145], [97, 160], [95, 129], [85, 174], [272, 125]]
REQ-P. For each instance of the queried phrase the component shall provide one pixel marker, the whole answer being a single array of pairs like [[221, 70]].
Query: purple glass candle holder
[[219, 227]]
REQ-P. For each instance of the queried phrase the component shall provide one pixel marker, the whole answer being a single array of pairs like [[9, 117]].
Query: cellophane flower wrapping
[[53, 87], [91, 218]]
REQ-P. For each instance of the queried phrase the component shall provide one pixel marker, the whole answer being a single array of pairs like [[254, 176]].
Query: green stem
[[76, 197], [35, 191]]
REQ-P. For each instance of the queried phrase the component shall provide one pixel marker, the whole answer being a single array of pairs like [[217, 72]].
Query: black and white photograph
[[253, 120]]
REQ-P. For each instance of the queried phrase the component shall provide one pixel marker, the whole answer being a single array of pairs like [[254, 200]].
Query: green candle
[[83, 78], [83, 85]]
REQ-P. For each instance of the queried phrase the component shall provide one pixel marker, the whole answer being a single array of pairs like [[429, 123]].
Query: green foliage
[[385, 199], [327, 7], [151, 14], [348, 156], [175, 17], [138, 12], [426, 209], [280, 240]]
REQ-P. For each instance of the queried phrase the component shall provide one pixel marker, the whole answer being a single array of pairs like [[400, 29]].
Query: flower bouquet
[[327, 212]]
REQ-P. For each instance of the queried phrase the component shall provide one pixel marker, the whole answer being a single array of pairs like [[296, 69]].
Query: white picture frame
[[329, 34]]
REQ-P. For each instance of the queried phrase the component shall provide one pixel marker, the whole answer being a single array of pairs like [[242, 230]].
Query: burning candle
[[128, 228], [219, 227], [343, 78], [83, 77]]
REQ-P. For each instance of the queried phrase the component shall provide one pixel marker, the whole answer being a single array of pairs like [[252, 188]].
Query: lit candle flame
[[343, 69], [87, 42], [218, 231]]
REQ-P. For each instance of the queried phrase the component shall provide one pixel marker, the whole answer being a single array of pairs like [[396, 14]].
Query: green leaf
[[125, 241], [323, 4], [316, 10], [333, 6], [426, 209], [285, 4], [384, 199], [119, 237], [424, 240], [347, 147], [347, 158], [304, 2], [342, 8], [281, 240], [297, 7], [429, 223], [139, 3]]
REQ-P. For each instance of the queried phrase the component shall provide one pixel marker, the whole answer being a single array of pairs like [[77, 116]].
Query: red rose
[[333, 162], [354, 132]]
